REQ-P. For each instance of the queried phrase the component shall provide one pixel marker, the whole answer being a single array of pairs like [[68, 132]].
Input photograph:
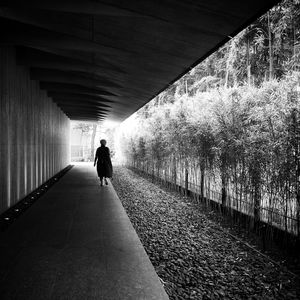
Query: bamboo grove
[[229, 130]]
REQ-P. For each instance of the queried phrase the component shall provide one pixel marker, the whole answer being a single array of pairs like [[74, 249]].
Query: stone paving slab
[[76, 242]]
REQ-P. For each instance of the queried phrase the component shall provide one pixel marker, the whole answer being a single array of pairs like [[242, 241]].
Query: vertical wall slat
[[31, 128]]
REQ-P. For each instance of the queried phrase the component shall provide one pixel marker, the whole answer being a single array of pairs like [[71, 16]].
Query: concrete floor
[[76, 242]]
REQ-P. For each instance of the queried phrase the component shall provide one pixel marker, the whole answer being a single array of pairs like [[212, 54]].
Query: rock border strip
[[194, 258]]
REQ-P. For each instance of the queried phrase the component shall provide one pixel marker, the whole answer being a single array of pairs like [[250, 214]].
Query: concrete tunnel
[[91, 61]]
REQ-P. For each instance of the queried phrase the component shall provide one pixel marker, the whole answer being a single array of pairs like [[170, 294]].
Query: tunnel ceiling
[[106, 59]]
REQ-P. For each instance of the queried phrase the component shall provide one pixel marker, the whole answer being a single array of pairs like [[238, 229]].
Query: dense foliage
[[230, 129]]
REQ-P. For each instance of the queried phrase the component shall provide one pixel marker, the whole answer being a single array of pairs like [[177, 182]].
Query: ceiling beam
[[42, 59], [54, 72], [83, 114], [91, 120], [85, 119], [113, 53], [18, 33], [178, 14], [81, 103], [73, 6], [89, 30], [87, 105], [73, 88], [90, 58], [82, 111], [76, 96], [81, 78]]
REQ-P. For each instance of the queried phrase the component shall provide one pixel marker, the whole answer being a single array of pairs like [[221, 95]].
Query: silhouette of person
[[104, 165]]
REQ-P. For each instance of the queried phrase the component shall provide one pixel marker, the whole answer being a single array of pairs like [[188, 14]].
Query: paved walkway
[[76, 242]]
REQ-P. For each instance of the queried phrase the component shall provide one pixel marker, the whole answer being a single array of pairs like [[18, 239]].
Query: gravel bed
[[190, 252]]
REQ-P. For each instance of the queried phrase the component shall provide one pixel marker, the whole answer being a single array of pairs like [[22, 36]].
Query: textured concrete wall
[[34, 132]]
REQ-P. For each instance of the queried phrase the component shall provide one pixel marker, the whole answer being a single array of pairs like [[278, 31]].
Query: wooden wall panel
[[34, 133]]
